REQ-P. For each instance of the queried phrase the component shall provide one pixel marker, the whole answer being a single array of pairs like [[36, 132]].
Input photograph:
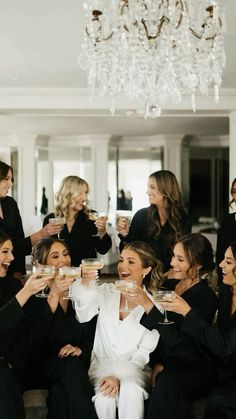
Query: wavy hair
[[154, 278], [70, 188], [168, 186], [42, 249], [198, 251]]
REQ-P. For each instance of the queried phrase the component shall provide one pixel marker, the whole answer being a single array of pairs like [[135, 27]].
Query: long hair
[[198, 251], [70, 188], [231, 191], [42, 249], [225, 299], [168, 186], [148, 258], [4, 169]]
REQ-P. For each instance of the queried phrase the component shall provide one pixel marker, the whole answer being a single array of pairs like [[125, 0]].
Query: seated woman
[[221, 340], [122, 345], [60, 347], [13, 333], [182, 368]]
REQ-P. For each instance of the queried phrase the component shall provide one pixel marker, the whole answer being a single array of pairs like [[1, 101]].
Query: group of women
[[95, 357]]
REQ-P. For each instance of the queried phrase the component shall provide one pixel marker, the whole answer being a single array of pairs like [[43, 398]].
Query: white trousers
[[130, 403]]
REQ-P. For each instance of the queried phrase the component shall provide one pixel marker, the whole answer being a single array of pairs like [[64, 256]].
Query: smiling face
[[180, 263], [6, 184], [6, 257], [58, 255], [228, 266], [78, 201], [130, 266], [154, 196]]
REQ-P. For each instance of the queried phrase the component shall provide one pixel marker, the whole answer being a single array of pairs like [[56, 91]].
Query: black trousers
[[173, 391], [70, 391], [11, 401], [221, 404]]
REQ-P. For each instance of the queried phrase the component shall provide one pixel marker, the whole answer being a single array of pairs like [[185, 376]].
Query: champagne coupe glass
[[126, 285], [164, 296], [124, 215], [71, 272], [43, 270], [57, 221], [92, 264]]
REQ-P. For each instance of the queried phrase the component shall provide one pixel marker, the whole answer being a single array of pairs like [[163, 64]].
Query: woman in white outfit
[[120, 355]]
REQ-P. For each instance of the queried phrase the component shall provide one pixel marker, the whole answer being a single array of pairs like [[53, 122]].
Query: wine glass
[[92, 264], [60, 221], [124, 286], [124, 215], [71, 272], [43, 270], [164, 296]]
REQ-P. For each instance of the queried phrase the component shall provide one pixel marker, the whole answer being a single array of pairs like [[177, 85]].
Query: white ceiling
[[42, 90]]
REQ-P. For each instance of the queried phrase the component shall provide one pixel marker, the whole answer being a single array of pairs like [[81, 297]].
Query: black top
[[49, 332], [225, 235], [176, 348], [163, 243], [220, 340], [13, 330], [12, 225], [82, 240]]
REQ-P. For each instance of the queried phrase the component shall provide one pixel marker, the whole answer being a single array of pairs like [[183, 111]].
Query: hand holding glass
[[92, 264], [69, 272], [57, 221], [43, 270], [126, 286], [164, 296]]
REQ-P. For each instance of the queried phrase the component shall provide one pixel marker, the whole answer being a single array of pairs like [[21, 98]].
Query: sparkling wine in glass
[[60, 221], [164, 296], [69, 272], [92, 264], [43, 270], [126, 286]]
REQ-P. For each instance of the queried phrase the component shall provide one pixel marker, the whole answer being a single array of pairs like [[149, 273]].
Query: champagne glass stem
[[126, 305]]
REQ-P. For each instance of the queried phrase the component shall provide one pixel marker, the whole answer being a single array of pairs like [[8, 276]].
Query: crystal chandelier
[[153, 50]]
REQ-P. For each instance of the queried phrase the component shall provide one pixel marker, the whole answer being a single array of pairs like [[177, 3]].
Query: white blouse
[[121, 347]]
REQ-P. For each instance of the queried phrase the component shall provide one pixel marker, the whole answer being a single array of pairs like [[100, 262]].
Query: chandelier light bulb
[[154, 48]]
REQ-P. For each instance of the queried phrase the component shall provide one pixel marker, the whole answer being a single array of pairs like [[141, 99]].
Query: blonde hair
[[70, 188]]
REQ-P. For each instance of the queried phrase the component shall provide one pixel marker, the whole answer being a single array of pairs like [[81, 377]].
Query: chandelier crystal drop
[[153, 50]]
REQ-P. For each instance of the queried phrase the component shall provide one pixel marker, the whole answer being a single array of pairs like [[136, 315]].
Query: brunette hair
[[4, 169], [148, 258], [42, 249], [198, 251], [233, 249], [3, 237], [168, 186], [231, 191], [71, 187]]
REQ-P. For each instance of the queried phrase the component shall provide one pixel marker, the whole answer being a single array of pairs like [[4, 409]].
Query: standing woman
[[83, 236], [163, 222], [11, 223], [13, 333], [221, 340], [182, 369], [60, 347]]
